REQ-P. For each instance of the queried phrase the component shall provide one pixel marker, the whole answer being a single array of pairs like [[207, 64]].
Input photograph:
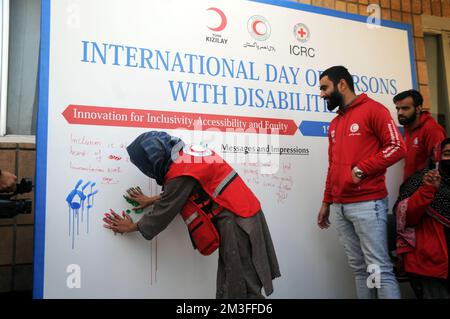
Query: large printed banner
[[241, 77]]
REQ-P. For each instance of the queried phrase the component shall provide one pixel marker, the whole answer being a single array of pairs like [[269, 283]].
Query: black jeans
[[429, 287]]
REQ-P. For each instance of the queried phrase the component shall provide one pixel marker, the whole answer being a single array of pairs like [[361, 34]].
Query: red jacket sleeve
[[433, 138], [418, 203], [327, 198], [392, 148]]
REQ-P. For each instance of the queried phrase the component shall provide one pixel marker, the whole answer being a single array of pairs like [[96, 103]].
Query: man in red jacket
[[363, 142], [422, 132], [423, 221]]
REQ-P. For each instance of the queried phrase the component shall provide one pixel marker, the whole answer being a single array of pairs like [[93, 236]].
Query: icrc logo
[[259, 28], [301, 32]]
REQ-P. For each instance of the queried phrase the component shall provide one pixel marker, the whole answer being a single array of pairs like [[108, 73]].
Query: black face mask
[[444, 166], [407, 120], [335, 100]]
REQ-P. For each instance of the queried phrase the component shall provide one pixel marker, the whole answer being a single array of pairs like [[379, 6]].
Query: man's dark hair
[[337, 73], [416, 96], [445, 142]]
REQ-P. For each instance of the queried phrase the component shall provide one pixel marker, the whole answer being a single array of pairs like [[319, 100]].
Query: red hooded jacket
[[429, 256], [420, 142], [366, 136]]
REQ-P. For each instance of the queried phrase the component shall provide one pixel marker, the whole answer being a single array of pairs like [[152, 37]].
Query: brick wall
[[16, 234], [405, 11]]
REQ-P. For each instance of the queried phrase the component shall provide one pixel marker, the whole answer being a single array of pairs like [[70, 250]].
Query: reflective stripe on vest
[[219, 180], [191, 218], [224, 183]]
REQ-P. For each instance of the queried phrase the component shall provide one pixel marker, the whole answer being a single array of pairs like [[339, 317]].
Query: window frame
[[4, 48], [434, 25], [4, 69]]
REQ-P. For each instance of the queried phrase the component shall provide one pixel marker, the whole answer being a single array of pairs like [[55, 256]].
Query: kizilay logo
[[216, 37], [374, 279], [74, 278]]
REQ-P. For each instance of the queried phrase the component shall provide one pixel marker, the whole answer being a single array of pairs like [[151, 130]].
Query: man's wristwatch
[[358, 173]]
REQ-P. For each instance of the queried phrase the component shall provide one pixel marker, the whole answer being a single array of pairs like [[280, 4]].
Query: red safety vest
[[223, 185], [219, 180]]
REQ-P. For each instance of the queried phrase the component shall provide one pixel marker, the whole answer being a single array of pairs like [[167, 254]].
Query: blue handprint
[[75, 200]]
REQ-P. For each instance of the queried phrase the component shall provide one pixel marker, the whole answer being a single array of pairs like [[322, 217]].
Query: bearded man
[[422, 132], [363, 142]]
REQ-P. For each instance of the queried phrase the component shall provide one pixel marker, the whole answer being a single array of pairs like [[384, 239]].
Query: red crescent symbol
[[223, 18], [254, 27]]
